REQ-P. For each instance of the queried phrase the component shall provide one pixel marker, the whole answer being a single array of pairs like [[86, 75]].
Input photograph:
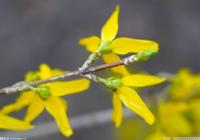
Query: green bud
[[146, 55], [43, 92], [113, 82], [32, 76], [105, 47], [176, 79]]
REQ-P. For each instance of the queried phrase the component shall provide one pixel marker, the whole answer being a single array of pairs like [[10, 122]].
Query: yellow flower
[[48, 97], [124, 93], [108, 46], [10, 123], [195, 114], [157, 135], [173, 120], [185, 85]]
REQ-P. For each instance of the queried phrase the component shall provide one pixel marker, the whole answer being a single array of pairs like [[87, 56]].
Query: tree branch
[[22, 86]]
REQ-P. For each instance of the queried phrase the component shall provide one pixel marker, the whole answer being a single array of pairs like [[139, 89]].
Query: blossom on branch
[[123, 92], [109, 46], [47, 96]]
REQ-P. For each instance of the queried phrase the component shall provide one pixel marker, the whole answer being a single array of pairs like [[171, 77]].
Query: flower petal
[[110, 29], [110, 58], [35, 108], [172, 118], [10, 123], [69, 87], [126, 45], [132, 100], [22, 101], [55, 107], [56, 72], [65, 105], [118, 110], [45, 71], [90, 43], [141, 80]]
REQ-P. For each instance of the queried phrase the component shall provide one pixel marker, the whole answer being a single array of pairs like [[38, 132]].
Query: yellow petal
[[110, 29], [141, 80], [55, 107], [118, 110], [185, 85], [194, 107], [69, 87], [45, 71], [56, 72], [177, 124], [126, 45], [90, 43], [132, 100], [22, 101], [171, 115], [110, 58], [65, 105], [157, 135], [10, 123], [35, 108]]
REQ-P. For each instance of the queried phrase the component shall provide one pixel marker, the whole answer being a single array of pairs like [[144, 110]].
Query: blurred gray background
[[47, 31]]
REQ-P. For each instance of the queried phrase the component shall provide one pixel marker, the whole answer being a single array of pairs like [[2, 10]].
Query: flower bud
[[43, 92], [113, 82], [146, 55]]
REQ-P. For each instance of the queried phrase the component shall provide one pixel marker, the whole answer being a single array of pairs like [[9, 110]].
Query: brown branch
[[22, 86]]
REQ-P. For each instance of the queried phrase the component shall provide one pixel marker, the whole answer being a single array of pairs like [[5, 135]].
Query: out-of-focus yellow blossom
[[47, 97], [130, 130], [108, 46], [10, 123], [177, 115], [195, 114], [194, 107], [185, 85], [124, 93], [173, 120], [156, 136]]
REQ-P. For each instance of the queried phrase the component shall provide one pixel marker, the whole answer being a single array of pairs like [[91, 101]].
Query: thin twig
[[22, 86], [91, 59]]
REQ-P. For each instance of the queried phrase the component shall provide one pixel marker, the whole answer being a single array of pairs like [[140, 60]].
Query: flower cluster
[[123, 86], [48, 96], [179, 114], [176, 111]]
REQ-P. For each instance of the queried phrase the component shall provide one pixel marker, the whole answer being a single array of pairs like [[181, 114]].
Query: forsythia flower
[[195, 113], [10, 123], [173, 120], [185, 85], [48, 97], [177, 115], [108, 46], [124, 93], [157, 135]]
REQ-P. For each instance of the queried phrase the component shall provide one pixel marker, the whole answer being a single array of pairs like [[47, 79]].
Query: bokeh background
[[47, 31]]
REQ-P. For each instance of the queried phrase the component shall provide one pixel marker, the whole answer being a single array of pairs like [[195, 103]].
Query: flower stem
[[22, 86]]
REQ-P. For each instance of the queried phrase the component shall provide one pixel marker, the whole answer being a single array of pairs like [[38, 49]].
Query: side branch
[[22, 86]]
